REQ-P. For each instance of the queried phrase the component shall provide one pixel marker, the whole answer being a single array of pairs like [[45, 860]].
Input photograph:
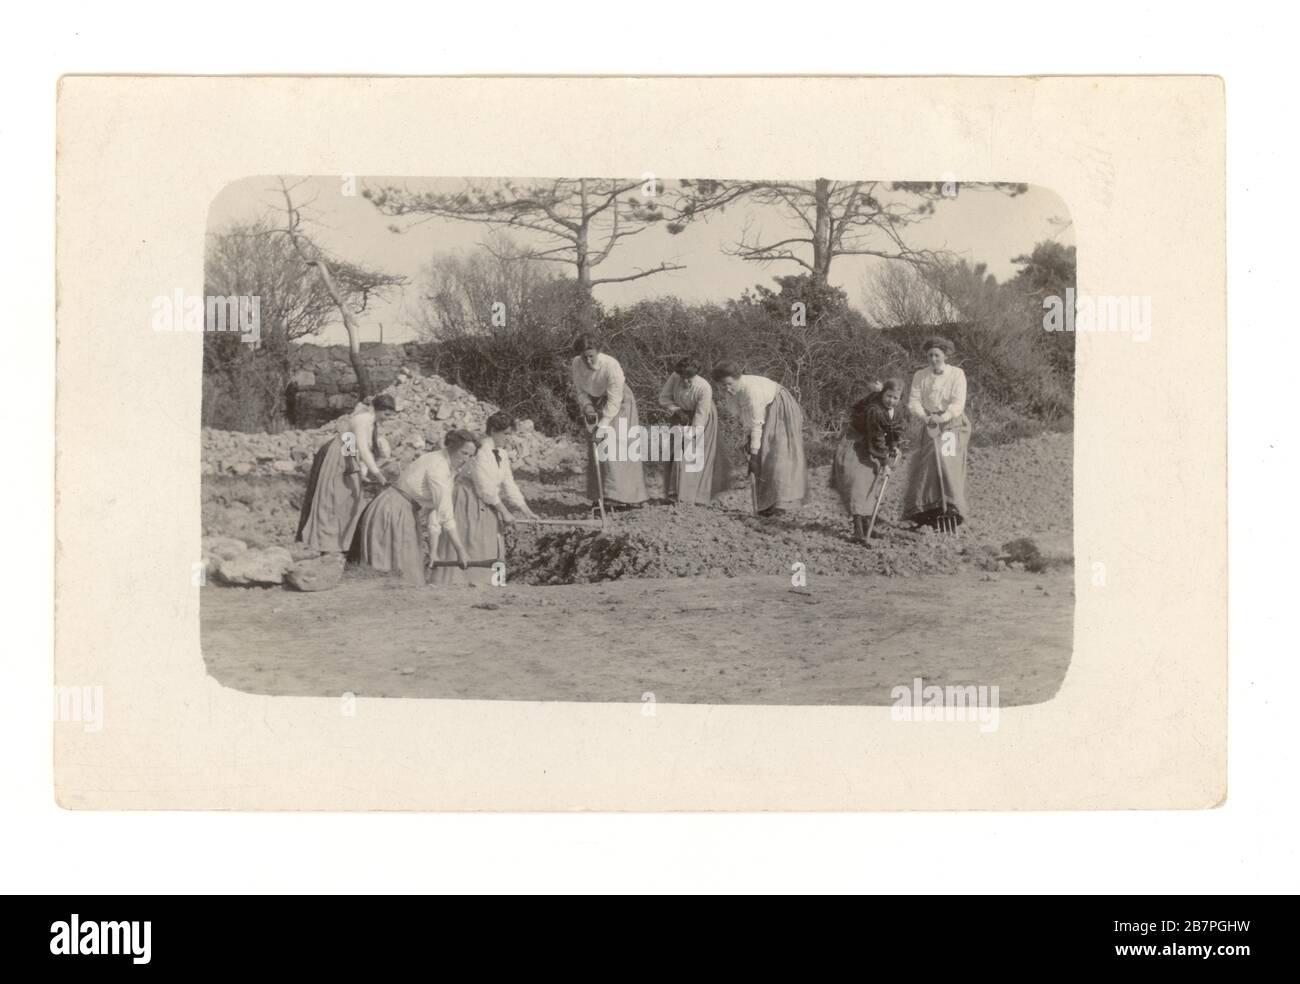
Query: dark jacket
[[877, 435]]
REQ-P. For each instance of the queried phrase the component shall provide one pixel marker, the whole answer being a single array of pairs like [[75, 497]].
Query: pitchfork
[[945, 522]]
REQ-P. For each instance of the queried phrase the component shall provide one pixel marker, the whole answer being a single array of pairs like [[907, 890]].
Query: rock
[[444, 412], [284, 467], [223, 547], [318, 574], [255, 567], [303, 379], [1022, 550], [241, 467]]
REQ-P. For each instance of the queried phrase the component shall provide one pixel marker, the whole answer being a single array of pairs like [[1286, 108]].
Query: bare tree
[[827, 218], [896, 294], [345, 283], [245, 384], [580, 221]]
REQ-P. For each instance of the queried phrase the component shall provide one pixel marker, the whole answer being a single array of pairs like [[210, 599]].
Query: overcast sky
[[982, 227]]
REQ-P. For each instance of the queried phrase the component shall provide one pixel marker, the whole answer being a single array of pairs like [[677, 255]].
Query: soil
[[754, 640], [690, 603]]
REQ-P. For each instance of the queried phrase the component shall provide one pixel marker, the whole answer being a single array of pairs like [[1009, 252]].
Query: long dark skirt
[[712, 472], [388, 537], [623, 480], [332, 503], [782, 479], [478, 526], [854, 476], [926, 497]]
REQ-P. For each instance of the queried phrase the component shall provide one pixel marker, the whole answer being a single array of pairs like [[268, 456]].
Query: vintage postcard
[[641, 444]]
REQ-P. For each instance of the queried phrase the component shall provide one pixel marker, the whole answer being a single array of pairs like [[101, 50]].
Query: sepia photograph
[[587, 463], [647, 439], [647, 451]]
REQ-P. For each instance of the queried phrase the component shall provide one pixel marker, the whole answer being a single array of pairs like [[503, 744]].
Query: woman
[[688, 398], [388, 535], [333, 502], [870, 445], [773, 425], [608, 408], [936, 481], [479, 505]]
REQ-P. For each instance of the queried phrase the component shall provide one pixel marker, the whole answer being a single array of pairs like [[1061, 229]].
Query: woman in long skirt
[[698, 472], [482, 501], [333, 501], [609, 413], [388, 536], [870, 445], [936, 480], [773, 424]]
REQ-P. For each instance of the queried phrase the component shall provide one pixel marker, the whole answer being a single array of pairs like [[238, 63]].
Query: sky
[[980, 226]]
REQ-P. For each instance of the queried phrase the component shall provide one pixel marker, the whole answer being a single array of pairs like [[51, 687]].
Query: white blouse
[[693, 395], [753, 395], [605, 380], [494, 479], [428, 480], [943, 393], [361, 425]]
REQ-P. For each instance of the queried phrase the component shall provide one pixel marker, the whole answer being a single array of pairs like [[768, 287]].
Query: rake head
[[946, 523]]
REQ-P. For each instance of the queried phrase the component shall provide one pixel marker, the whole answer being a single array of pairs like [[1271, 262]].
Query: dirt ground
[[692, 604], [752, 640]]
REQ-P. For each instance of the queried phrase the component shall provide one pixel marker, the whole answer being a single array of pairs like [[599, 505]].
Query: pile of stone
[[427, 407], [232, 562]]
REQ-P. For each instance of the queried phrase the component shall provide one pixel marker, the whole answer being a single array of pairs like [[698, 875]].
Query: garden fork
[[945, 522]]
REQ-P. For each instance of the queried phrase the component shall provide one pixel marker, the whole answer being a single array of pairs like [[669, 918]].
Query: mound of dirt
[[1017, 490], [427, 407]]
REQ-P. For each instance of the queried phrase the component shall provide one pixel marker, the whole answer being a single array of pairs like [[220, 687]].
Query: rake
[[945, 522], [499, 558], [594, 524]]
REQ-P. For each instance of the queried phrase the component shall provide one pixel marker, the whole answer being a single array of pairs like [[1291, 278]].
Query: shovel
[[600, 478], [879, 499]]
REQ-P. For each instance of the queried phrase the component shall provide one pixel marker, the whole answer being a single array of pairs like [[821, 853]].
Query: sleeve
[[511, 491], [666, 394], [703, 404], [858, 417], [437, 488], [957, 401], [483, 473], [914, 398], [754, 408], [363, 428], [583, 397], [613, 392]]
